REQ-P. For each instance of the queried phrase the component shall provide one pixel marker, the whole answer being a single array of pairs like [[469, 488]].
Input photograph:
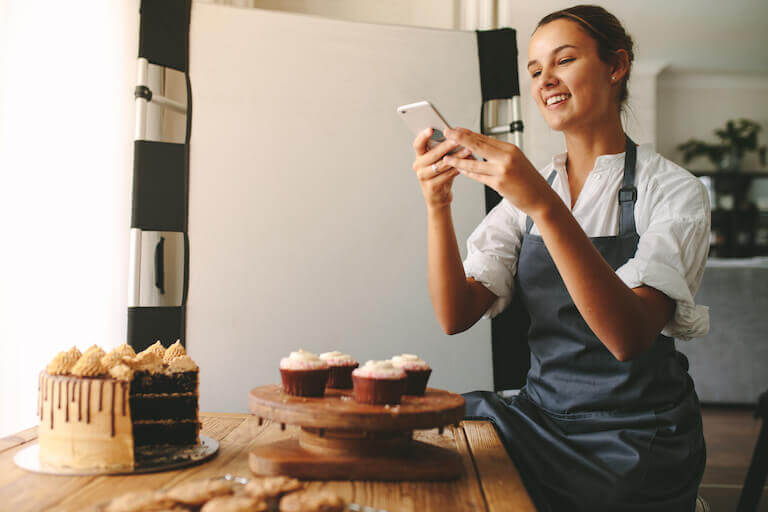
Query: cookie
[[198, 492], [235, 504], [272, 486], [312, 502], [141, 501]]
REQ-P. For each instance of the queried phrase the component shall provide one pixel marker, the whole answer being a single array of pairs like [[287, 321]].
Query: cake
[[303, 374], [97, 408], [340, 368], [378, 382], [417, 370]]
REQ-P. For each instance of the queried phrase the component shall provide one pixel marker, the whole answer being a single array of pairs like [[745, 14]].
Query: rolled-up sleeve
[[672, 252], [492, 252]]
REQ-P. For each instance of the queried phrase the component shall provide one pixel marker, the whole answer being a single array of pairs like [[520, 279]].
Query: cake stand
[[341, 439]]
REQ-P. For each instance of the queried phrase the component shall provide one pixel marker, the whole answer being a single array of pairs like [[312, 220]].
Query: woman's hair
[[606, 30]]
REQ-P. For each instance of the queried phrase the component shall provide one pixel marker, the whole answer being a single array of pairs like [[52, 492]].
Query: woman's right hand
[[435, 176]]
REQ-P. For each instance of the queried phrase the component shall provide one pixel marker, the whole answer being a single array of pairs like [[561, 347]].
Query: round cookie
[[141, 501], [198, 492], [239, 503], [272, 487], [312, 502]]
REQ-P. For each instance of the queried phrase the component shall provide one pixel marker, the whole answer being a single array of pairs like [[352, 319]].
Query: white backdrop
[[307, 226]]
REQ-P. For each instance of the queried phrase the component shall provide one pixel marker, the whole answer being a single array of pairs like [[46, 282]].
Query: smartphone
[[422, 115]]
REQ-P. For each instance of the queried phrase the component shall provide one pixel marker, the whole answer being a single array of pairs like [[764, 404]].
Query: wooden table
[[490, 481]]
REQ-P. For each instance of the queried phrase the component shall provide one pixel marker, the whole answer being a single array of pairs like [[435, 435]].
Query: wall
[[422, 13], [692, 104]]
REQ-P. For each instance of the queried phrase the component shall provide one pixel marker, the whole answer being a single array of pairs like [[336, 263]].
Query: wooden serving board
[[341, 439]]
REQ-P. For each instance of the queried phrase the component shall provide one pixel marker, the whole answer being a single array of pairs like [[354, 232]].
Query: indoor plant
[[736, 138]]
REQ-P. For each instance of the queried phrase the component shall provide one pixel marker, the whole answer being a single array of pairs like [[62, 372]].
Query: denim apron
[[587, 431]]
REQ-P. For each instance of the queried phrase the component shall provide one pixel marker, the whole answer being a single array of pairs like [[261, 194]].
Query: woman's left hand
[[507, 170]]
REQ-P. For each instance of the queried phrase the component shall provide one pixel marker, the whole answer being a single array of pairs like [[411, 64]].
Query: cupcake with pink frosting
[[340, 369], [303, 374], [378, 382], [417, 370]]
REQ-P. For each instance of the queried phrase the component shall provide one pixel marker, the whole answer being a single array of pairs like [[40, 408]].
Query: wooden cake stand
[[341, 439]]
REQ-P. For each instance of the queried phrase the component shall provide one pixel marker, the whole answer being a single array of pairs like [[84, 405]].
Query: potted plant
[[736, 138]]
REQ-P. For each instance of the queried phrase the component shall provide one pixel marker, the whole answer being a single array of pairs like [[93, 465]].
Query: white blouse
[[672, 215]]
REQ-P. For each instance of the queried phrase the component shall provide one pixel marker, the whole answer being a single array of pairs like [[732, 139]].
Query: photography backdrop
[[307, 227]]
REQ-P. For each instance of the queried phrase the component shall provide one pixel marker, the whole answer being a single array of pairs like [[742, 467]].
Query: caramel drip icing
[[125, 396], [59, 398], [43, 383], [101, 394], [51, 405], [114, 384], [66, 401], [73, 392], [88, 408], [80, 400], [45, 389]]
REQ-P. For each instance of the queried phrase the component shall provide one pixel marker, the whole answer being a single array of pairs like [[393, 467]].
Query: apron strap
[[528, 220], [628, 191]]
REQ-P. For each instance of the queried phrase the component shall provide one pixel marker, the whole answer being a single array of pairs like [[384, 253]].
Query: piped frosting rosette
[[121, 362], [337, 358], [409, 362]]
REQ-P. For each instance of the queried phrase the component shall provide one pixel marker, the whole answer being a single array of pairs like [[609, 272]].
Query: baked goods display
[[96, 408], [378, 382], [417, 371], [303, 374], [340, 368], [363, 433], [219, 495]]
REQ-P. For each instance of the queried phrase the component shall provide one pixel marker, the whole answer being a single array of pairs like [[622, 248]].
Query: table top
[[490, 481]]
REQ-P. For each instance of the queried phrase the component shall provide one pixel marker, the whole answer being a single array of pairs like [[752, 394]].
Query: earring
[[613, 78]]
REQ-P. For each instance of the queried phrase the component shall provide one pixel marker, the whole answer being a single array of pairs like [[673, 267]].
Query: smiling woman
[[605, 248]]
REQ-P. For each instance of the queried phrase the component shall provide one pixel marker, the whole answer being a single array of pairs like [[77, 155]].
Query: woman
[[606, 247]]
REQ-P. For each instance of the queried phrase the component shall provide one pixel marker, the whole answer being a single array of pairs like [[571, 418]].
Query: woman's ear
[[620, 65]]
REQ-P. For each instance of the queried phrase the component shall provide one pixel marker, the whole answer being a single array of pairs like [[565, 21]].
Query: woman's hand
[[435, 176], [507, 170]]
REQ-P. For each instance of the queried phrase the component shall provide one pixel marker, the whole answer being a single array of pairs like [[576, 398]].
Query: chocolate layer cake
[[97, 408]]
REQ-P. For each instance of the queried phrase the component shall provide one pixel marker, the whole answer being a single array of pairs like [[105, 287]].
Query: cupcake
[[340, 366], [303, 374], [417, 370], [378, 382]]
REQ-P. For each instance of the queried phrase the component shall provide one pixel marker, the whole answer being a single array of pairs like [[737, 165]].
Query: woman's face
[[564, 66]]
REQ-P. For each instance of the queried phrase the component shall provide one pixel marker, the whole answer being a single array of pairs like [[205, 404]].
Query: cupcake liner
[[340, 377], [377, 391], [417, 381], [304, 382]]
